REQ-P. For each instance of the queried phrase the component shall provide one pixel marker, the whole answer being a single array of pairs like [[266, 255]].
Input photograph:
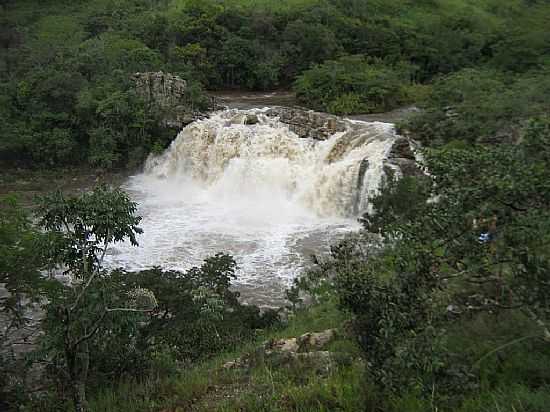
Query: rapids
[[257, 192]]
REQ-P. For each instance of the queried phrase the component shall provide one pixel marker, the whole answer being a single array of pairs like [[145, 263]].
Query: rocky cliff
[[170, 94], [403, 156]]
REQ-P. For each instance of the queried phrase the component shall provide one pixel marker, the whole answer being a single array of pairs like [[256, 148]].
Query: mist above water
[[257, 192]]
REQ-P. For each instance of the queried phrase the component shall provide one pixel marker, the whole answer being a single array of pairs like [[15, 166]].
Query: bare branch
[[513, 342]]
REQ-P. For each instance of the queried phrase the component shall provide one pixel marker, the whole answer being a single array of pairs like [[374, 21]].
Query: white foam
[[258, 192]]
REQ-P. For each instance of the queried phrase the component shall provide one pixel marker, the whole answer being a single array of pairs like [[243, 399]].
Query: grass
[[514, 379], [209, 387]]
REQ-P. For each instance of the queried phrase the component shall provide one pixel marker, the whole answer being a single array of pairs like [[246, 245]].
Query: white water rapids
[[257, 192]]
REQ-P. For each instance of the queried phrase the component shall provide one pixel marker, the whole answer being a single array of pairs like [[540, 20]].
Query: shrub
[[197, 316], [352, 84], [477, 105]]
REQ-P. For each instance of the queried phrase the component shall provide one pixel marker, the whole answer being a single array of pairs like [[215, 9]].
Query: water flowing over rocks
[[308, 123], [245, 183], [321, 126], [257, 153]]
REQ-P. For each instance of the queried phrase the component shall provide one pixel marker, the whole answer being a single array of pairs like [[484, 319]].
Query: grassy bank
[[513, 378], [210, 387]]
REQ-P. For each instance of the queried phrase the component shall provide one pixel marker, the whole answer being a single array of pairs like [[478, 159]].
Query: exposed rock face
[[251, 119], [320, 126], [169, 94], [309, 348], [165, 89], [402, 149], [402, 155], [316, 341], [307, 123]]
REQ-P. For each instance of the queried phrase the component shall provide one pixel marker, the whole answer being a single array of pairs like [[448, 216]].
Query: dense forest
[[65, 67], [443, 296]]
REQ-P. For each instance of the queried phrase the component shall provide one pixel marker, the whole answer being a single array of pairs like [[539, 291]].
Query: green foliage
[[54, 54], [480, 105], [79, 230], [352, 85], [207, 386], [197, 315], [401, 199], [21, 260], [432, 270], [20, 250], [100, 325]]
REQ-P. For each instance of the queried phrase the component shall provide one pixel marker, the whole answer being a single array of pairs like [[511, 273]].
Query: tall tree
[[80, 230]]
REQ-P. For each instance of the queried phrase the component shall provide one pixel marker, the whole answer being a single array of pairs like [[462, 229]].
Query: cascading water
[[257, 192]]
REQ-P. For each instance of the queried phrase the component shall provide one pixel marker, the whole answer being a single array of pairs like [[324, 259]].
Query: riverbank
[[27, 184]]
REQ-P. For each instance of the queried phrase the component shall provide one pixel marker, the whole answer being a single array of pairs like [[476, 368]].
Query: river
[[257, 192]]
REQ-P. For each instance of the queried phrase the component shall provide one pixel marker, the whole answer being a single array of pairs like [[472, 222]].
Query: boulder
[[281, 345], [402, 156], [168, 93], [308, 348], [407, 167], [402, 149], [308, 123], [316, 341], [251, 119]]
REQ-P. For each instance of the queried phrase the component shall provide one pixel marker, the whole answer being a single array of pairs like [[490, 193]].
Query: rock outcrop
[[403, 157], [164, 89], [309, 348], [320, 126], [308, 123], [169, 93]]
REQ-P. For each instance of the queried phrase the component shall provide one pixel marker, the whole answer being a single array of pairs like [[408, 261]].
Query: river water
[[257, 192]]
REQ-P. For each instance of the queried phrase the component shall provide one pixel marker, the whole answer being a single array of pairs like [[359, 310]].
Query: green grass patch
[[209, 387]]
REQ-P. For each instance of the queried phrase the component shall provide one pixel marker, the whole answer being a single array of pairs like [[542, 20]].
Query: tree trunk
[[78, 360], [79, 397]]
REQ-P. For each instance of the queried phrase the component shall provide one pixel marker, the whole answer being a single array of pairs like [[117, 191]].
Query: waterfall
[[256, 191], [266, 162]]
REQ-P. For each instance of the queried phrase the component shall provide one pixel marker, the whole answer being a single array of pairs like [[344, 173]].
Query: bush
[[352, 84], [477, 105], [400, 199], [197, 316], [416, 298]]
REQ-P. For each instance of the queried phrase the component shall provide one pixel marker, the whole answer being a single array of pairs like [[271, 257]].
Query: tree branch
[[90, 334], [513, 342], [91, 278], [129, 310]]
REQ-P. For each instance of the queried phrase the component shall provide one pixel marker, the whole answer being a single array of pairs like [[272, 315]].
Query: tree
[[352, 84], [21, 260], [476, 243], [80, 230], [197, 316]]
